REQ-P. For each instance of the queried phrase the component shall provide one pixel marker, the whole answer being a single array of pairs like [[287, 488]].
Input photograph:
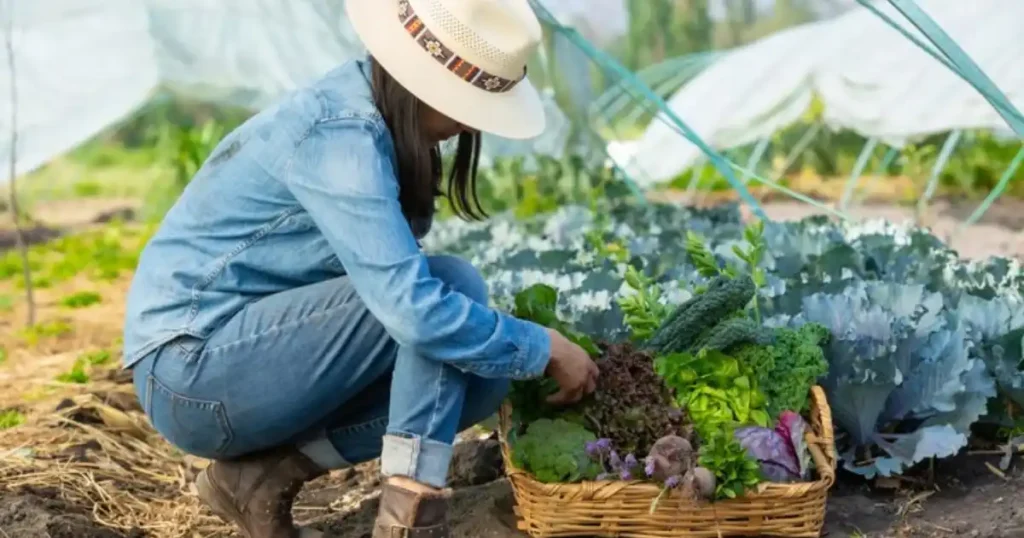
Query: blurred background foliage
[[154, 153]]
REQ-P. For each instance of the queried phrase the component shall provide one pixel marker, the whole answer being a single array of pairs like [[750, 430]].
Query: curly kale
[[555, 451], [786, 369], [632, 406]]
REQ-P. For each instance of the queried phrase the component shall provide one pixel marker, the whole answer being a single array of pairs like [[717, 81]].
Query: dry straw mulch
[[97, 455]]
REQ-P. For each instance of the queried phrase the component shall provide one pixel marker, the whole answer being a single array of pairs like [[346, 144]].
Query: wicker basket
[[622, 509]]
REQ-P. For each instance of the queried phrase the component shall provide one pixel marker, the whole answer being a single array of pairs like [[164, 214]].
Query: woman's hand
[[571, 367]]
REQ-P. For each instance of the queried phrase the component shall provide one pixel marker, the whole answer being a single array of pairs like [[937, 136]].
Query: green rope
[[880, 169], [607, 63], [957, 60], [940, 164], [954, 57], [799, 149], [858, 169], [790, 192], [667, 87], [997, 191], [665, 77], [756, 156], [697, 172]]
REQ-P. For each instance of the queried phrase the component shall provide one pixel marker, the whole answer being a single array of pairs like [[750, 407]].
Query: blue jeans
[[311, 367]]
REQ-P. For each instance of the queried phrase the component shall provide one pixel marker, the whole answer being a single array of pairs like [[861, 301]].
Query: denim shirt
[[303, 192]]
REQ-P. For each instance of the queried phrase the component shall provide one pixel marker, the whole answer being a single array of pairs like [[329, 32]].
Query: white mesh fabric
[[884, 86], [82, 65], [464, 38]]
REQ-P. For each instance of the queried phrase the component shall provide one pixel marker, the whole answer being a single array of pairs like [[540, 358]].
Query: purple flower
[[649, 467], [625, 474], [614, 460], [673, 481], [631, 461], [598, 447]]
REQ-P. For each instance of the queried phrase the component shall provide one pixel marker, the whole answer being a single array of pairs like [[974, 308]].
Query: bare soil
[[966, 499], [41, 514]]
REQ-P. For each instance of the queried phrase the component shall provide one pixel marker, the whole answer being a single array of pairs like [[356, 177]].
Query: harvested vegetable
[[632, 406], [735, 471], [555, 451], [793, 427], [670, 456], [774, 452], [705, 482], [787, 368], [723, 298]]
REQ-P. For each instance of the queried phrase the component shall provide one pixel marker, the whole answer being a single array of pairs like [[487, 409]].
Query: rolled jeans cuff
[[411, 456]]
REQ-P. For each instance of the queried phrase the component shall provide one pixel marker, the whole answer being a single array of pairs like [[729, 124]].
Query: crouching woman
[[283, 320]]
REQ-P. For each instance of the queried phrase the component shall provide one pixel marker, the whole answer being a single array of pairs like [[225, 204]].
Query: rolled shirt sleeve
[[342, 174]]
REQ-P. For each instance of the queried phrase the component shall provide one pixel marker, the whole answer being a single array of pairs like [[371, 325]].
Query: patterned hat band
[[453, 62]]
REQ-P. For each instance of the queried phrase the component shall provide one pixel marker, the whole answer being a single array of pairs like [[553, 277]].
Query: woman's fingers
[[566, 396]]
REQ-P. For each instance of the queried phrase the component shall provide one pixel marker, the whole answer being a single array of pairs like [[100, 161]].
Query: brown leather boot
[[409, 514], [256, 492]]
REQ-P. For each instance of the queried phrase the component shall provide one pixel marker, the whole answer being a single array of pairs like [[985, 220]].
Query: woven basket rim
[[819, 438]]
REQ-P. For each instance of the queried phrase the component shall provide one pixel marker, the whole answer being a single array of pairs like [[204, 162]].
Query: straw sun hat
[[464, 58]]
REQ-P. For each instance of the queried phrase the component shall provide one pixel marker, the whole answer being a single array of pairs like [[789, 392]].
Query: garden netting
[[83, 65]]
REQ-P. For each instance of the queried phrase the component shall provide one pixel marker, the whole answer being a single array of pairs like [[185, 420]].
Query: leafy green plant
[[6, 303], [632, 406], [607, 248], [701, 256], [716, 390], [85, 189], [185, 149], [33, 334], [11, 418], [77, 374], [735, 471], [789, 366], [751, 254], [539, 303], [81, 299], [642, 311], [555, 451], [98, 357]]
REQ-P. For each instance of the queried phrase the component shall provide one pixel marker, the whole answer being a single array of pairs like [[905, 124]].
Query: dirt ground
[[968, 500], [120, 481]]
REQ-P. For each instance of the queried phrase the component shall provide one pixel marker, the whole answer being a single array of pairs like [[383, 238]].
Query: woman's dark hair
[[419, 161]]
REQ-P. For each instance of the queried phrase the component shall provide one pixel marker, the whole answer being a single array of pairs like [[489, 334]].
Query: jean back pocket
[[198, 427]]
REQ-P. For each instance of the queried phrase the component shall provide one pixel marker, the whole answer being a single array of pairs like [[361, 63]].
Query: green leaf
[[555, 451], [537, 303]]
